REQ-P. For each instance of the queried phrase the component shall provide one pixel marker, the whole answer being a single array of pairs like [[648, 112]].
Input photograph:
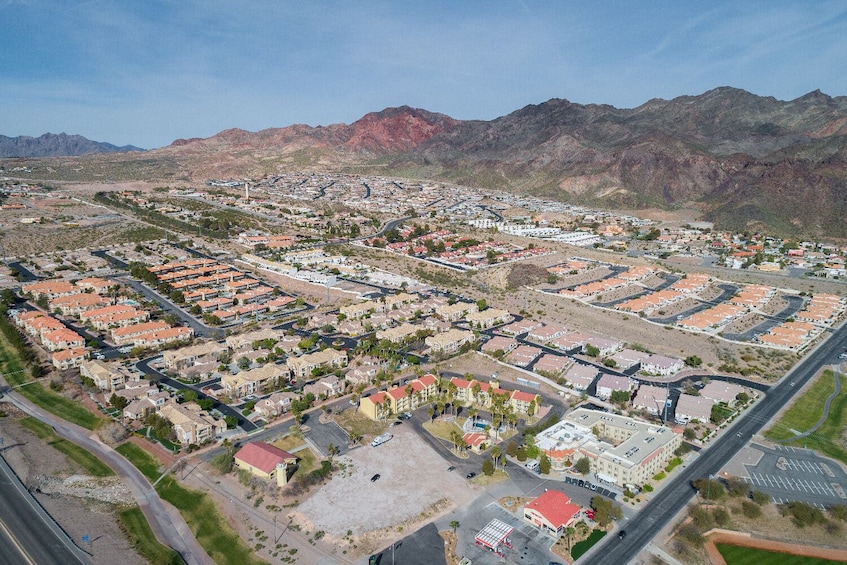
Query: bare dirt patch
[[413, 487], [65, 497]]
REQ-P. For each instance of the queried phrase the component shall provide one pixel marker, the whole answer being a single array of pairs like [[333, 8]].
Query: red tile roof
[[263, 456], [555, 506]]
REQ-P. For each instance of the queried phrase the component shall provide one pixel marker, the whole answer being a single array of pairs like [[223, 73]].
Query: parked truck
[[379, 440]]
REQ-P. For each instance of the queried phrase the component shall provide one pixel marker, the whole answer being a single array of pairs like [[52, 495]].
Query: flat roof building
[[624, 450]]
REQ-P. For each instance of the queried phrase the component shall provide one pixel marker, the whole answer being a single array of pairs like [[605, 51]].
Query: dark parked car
[[375, 478], [470, 475], [451, 468], [622, 534]]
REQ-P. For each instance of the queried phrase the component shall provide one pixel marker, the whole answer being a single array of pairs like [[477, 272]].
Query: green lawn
[[306, 463], [211, 529], [91, 464], [807, 410], [148, 466], [53, 402], [290, 442], [579, 549], [135, 526], [737, 555]]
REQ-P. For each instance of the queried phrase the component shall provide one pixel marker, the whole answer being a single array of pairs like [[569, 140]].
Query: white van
[[533, 465]]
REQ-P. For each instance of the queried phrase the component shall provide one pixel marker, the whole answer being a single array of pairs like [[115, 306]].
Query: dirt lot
[[388, 508], [315, 523], [38, 464]]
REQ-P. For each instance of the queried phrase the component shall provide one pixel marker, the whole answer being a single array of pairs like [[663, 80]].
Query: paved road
[[167, 524], [27, 533], [26, 275], [675, 495], [225, 409]]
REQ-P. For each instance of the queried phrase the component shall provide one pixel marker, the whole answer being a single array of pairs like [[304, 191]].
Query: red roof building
[[552, 511], [263, 459]]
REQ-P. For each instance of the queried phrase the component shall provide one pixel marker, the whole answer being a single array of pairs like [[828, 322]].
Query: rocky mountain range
[[56, 145], [744, 161]]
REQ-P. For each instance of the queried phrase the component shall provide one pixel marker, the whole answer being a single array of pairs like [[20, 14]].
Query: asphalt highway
[[27, 533], [167, 524], [674, 496]]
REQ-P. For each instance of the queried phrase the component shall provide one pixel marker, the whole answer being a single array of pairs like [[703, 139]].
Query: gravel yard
[[414, 486]]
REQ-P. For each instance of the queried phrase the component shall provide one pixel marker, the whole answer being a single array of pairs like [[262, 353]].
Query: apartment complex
[[622, 450]]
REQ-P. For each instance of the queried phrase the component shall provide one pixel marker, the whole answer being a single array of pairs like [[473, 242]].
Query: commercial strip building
[[621, 450]]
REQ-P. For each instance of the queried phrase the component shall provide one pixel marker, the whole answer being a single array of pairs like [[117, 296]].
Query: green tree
[[583, 466], [710, 489], [693, 361], [118, 402], [243, 363], [544, 464], [496, 453], [230, 421], [206, 403], [605, 510], [487, 468], [454, 525], [620, 396], [512, 449], [592, 350]]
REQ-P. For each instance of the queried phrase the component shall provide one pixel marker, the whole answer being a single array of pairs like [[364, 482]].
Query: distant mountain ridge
[[744, 161], [56, 145]]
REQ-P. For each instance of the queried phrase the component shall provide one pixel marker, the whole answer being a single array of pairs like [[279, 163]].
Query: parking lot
[[789, 474], [595, 487]]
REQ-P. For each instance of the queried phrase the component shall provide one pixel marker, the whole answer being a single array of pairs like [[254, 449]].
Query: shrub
[[721, 516], [751, 509], [803, 514], [838, 511], [761, 498]]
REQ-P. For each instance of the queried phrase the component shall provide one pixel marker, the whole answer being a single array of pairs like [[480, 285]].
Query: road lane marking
[[17, 545]]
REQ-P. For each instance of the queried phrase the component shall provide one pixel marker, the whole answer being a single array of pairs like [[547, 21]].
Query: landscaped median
[[807, 410], [135, 525], [92, 465], [209, 526]]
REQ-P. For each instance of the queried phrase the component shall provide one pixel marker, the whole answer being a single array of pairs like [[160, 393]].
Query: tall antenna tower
[[247, 191]]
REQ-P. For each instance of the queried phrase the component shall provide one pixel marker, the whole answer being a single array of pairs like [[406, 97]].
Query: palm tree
[[458, 440], [454, 524], [570, 531], [496, 453]]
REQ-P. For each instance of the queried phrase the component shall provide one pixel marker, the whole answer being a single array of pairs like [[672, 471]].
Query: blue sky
[[147, 72]]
